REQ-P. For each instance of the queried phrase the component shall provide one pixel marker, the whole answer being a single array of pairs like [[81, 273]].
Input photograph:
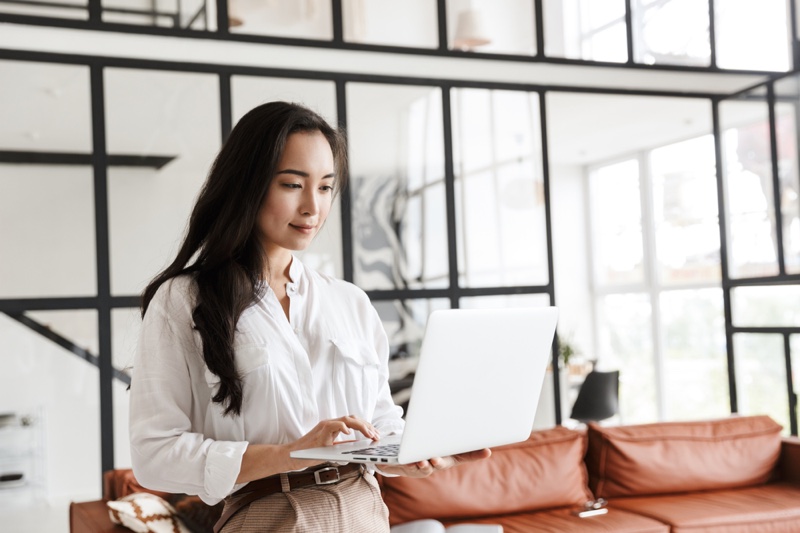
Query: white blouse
[[330, 359]]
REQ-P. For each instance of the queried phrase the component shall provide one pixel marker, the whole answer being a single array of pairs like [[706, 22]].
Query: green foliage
[[565, 350]]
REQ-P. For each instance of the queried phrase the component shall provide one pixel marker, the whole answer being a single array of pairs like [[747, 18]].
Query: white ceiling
[[586, 128]]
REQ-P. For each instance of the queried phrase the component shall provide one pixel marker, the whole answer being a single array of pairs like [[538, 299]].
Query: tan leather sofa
[[735, 475]]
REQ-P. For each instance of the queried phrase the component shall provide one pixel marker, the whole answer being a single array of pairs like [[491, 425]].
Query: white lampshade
[[469, 30]]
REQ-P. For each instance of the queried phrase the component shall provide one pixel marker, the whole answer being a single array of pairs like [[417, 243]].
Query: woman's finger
[[361, 425]]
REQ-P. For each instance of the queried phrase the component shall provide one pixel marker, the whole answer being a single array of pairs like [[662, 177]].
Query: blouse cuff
[[223, 463]]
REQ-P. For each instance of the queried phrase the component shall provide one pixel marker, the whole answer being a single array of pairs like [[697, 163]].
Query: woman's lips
[[303, 228]]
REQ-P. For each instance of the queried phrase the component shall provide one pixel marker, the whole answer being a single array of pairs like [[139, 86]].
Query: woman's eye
[[327, 188], [292, 185]]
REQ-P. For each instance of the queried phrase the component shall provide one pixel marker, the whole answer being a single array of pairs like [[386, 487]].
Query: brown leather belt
[[286, 482]]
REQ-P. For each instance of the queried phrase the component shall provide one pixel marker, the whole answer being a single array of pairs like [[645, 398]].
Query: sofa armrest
[[789, 462], [121, 482]]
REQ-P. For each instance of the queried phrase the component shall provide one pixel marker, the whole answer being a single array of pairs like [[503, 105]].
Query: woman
[[245, 354]]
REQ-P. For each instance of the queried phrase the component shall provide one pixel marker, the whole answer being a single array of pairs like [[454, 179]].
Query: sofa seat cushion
[[773, 508], [545, 471], [673, 457], [563, 521]]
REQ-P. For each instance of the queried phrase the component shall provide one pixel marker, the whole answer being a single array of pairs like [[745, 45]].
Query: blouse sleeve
[[167, 452]]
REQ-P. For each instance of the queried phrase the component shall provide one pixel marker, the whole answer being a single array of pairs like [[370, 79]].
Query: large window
[[652, 234], [760, 182], [657, 277]]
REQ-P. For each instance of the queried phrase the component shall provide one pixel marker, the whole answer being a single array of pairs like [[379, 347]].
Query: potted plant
[[566, 350]]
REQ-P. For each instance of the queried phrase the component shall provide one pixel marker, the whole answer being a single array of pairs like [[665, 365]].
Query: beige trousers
[[353, 505]]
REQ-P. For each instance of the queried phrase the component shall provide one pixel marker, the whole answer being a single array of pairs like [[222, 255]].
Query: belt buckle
[[319, 481]]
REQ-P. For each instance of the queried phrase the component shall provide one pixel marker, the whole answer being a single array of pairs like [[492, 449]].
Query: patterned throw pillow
[[145, 513]]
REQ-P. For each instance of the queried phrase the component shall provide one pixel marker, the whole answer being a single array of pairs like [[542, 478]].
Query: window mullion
[[646, 190]]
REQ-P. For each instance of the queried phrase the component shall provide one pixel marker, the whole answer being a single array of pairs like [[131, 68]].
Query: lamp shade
[[469, 30]]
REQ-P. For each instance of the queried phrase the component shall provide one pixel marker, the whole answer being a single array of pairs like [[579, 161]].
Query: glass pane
[[695, 361], [786, 135], [615, 204], [47, 231], [67, 9], [761, 376], [178, 14], [501, 26], [397, 186], [500, 204], [122, 440], [747, 175], [125, 324], [60, 392], [325, 252], [656, 39], [77, 326], [404, 322], [625, 343], [310, 19], [765, 22], [593, 30], [45, 108], [412, 23], [504, 301], [685, 211], [156, 117], [766, 306]]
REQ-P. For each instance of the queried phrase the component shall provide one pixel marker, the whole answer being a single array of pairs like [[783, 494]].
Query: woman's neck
[[278, 276]]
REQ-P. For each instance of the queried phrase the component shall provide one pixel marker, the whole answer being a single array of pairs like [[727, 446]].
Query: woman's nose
[[310, 204]]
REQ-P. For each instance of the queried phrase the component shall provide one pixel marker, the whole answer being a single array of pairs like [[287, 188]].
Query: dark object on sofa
[[598, 397]]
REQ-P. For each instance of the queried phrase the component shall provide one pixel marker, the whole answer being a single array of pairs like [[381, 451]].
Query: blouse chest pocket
[[356, 371]]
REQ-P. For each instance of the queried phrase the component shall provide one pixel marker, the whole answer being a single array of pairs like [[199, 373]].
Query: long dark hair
[[222, 236]]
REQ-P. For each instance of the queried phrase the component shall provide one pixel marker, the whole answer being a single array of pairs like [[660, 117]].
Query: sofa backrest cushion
[[675, 457], [547, 470]]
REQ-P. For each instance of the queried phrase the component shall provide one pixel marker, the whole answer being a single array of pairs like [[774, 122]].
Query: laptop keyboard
[[387, 449]]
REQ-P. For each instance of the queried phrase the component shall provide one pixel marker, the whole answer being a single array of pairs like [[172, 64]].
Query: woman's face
[[299, 198]]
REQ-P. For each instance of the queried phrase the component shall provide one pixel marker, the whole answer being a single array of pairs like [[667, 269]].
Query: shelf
[[22, 451]]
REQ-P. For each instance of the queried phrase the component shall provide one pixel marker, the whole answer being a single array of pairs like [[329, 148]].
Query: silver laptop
[[477, 386]]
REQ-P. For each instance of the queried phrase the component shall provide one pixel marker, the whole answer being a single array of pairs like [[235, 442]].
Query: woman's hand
[[262, 460], [326, 432], [426, 468]]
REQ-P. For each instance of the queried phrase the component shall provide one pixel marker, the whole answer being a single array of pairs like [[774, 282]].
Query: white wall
[[570, 256]]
